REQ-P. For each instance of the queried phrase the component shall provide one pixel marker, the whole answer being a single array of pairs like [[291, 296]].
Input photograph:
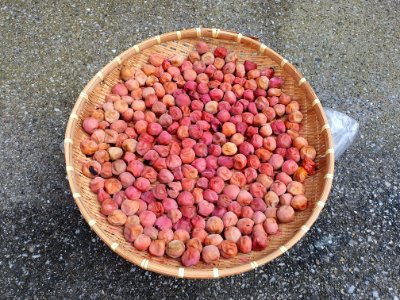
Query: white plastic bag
[[344, 130]]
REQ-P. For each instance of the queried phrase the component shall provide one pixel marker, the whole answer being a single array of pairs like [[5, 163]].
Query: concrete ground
[[348, 50]]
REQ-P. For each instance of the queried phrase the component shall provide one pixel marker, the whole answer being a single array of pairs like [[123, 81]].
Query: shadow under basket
[[315, 128]]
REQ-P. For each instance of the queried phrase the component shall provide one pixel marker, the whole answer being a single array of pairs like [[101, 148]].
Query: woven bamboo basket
[[315, 129]]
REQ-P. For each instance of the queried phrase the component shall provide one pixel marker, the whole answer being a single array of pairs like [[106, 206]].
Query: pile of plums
[[198, 157]]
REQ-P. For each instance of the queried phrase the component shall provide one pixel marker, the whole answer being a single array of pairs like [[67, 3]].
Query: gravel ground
[[348, 50]]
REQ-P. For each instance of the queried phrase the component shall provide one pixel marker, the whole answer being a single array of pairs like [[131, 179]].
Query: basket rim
[[187, 272]]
